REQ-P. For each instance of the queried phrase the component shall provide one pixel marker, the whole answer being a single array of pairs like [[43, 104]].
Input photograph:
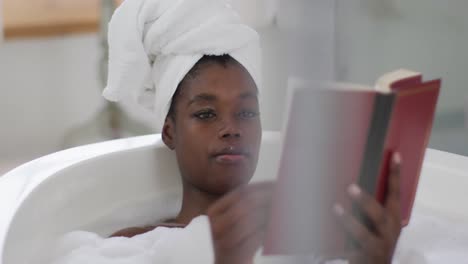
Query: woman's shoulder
[[134, 231]]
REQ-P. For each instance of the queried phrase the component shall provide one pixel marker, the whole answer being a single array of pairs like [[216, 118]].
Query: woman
[[214, 128], [212, 123]]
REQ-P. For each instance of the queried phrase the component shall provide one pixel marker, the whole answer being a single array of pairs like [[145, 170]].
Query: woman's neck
[[195, 202]]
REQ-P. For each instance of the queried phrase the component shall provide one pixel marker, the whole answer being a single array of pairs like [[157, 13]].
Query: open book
[[338, 134]]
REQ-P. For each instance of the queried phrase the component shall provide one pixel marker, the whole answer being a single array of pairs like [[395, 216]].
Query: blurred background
[[53, 64]]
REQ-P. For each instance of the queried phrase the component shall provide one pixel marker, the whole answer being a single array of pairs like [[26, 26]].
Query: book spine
[[373, 153]]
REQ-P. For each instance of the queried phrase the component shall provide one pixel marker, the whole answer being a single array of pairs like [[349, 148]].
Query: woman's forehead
[[217, 81], [213, 98]]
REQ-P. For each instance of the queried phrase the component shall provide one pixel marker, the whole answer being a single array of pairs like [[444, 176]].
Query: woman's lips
[[230, 158]]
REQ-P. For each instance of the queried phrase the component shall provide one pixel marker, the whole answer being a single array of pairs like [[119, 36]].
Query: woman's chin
[[228, 182]]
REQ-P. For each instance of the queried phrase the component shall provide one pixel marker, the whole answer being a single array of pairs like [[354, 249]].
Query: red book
[[342, 134]]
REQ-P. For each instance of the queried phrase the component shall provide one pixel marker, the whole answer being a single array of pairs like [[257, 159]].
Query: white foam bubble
[[162, 245]]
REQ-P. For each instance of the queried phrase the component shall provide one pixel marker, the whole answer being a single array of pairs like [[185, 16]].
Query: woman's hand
[[238, 223], [377, 240]]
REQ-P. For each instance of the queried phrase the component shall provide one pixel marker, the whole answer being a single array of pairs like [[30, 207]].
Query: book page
[[385, 82]]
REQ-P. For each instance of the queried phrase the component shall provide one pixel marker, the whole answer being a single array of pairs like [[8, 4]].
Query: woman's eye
[[204, 115], [248, 114]]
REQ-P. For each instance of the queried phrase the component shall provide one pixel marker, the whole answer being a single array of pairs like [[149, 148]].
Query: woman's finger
[[239, 214], [371, 209], [361, 234], [250, 217], [250, 201], [232, 197], [251, 245], [392, 201]]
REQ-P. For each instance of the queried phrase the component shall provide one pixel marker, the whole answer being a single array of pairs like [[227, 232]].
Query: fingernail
[[354, 190], [338, 209], [397, 158]]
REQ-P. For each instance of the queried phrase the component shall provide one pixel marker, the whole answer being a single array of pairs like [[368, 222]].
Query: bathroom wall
[[1, 21], [50, 86], [46, 87]]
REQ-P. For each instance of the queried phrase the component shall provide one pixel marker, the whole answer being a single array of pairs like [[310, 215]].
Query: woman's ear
[[168, 133]]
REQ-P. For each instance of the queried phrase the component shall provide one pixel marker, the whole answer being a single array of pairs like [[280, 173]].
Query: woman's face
[[216, 131]]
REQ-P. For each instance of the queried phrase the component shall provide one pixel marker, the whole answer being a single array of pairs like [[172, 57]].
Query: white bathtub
[[103, 187]]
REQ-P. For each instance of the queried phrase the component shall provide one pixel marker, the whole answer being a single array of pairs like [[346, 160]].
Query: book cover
[[335, 137]]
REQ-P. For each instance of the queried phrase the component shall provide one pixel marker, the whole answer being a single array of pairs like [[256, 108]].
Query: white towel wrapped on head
[[153, 44]]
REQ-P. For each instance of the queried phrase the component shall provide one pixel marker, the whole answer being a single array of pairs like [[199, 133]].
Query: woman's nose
[[230, 129]]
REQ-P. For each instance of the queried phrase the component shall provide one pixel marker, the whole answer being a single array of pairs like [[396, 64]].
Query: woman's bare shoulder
[[134, 231]]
